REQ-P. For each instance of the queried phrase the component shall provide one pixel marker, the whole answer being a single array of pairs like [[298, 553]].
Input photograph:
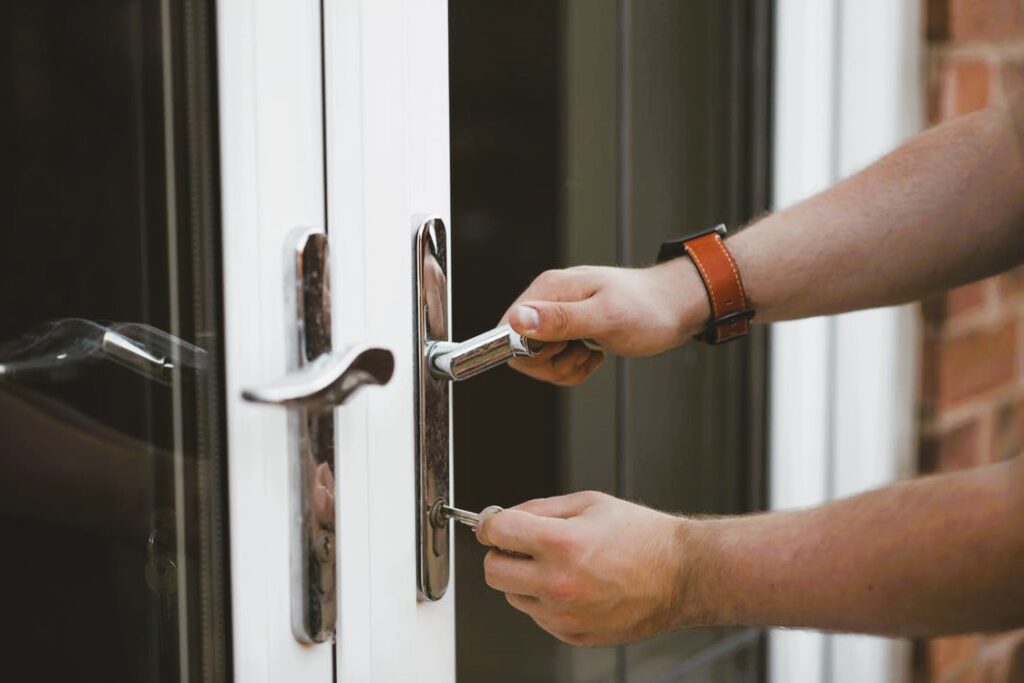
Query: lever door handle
[[329, 380], [318, 379], [458, 361]]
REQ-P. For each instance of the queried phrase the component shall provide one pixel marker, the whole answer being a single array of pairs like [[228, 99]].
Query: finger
[[566, 367], [518, 531], [562, 507], [571, 284], [581, 373], [510, 574], [565, 364], [553, 625], [546, 353], [539, 372], [596, 360], [542, 357], [557, 320], [524, 603]]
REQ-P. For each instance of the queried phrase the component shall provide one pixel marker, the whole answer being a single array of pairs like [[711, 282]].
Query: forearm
[[944, 209], [937, 555]]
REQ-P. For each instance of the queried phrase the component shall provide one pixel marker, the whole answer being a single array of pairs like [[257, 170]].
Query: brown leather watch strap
[[730, 312]]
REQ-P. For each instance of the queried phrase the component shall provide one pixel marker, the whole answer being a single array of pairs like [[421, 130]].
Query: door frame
[[272, 181], [849, 80], [387, 156]]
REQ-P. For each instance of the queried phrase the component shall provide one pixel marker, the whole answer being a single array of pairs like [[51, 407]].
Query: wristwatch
[[730, 312]]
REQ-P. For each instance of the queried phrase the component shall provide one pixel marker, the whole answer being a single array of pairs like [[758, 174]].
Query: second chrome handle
[[458, 361]]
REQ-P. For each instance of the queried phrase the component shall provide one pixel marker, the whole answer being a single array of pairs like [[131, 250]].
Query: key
[[470, 519]]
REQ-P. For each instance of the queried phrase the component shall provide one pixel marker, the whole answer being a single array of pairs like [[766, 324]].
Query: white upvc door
[[271, 150], [361, 85], [386, 109]]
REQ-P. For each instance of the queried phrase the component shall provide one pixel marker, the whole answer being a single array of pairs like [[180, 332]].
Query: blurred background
[[588, 131]]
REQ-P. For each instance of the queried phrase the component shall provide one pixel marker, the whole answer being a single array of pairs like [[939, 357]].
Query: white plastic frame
[[271, 155], [848, 88]]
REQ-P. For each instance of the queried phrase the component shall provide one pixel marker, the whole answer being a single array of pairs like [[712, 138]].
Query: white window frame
[[848, 88]]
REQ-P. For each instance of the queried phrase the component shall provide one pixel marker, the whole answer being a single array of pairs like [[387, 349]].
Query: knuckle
[[569, 548], [563, 589], [582, 270], [559, 319], [573, 380], [563, 371], [610, 311], [549, 278]]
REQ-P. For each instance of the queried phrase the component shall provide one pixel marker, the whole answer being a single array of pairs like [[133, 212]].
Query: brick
[[966, 299], [946, 655], [1012, 73], [966, 86], [1009, 435], [1010, 285], [939, 308], [937, 17], [977, 20], [972, 675], [970, 365], [958, 449]]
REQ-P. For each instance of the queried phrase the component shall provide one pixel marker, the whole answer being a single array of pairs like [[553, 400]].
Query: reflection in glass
[[63, 348], [112, 506]]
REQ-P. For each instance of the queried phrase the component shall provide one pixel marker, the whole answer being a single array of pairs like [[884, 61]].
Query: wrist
[[683, 289], [697, 602]]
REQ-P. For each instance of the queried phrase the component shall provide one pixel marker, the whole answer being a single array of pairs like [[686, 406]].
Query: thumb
[[556, 320]]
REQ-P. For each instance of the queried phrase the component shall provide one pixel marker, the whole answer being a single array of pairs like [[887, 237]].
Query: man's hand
[[591, 569], [628, 311]]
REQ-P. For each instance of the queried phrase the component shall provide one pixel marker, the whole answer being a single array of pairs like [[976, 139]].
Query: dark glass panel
[[112, 457]]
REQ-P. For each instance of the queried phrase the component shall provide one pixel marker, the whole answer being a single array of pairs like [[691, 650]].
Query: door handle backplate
[[318, 380], [433, 408]]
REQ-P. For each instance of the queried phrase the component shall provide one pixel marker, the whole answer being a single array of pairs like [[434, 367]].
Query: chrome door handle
[[452, 361], [439, 362], [329, 380], [318, 379]]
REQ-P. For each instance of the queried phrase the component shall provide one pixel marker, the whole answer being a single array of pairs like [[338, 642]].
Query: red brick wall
[[973, 374]]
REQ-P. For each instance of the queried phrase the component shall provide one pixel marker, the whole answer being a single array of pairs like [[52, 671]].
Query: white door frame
[[386, 76], [848, 88], [271, 158], [384, 73]]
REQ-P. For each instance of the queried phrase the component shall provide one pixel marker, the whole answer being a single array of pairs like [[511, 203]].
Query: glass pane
[[112, 509]]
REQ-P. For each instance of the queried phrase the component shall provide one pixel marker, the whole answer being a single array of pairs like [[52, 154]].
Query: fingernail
[[529, 318]]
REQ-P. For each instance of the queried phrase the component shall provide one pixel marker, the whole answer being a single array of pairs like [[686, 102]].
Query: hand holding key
[[591, 569], [471, 519]]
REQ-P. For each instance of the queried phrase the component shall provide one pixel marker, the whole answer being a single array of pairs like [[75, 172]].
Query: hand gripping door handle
[[318, 380], [439, 362], [451, 361]]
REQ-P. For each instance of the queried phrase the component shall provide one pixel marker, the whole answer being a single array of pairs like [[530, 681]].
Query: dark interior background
[[588, 131]]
